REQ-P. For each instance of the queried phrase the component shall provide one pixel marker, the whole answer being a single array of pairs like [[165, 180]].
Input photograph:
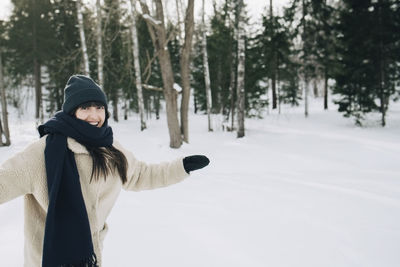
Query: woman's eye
[[101, 107]]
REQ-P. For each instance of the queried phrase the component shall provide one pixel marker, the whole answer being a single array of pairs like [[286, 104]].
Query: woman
[[72, 176]]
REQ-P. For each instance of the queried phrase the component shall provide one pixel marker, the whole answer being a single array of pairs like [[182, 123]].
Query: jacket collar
[[76, 147]]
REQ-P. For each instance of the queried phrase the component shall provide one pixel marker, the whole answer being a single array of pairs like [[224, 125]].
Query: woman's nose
[[93, 112]]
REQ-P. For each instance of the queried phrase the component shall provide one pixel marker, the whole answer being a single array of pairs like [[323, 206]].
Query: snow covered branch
[[151, 87], [151, 20]]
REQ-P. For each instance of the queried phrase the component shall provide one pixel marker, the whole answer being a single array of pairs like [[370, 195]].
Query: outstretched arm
[[143, 176], [17, 172]]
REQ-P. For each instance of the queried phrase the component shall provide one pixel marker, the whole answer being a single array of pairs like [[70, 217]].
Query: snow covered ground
[[293, 192]]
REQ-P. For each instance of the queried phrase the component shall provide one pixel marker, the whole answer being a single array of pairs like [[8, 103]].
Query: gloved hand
[[195, 162]]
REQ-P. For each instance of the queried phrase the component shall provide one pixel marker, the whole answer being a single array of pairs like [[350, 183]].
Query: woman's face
[[94, 115]]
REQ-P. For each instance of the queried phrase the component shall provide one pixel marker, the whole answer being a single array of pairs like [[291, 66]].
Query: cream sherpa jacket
[[25, 174]]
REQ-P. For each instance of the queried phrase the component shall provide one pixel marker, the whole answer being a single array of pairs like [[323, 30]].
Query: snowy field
[[294, 192]]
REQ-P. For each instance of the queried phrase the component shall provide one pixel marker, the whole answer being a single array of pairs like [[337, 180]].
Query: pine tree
[[114, 62], [325, 16], [31, 41], [275, 58], [368, 52], [220, 46], [65, 60]]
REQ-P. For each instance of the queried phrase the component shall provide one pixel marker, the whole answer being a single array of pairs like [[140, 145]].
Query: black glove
[[195, 162]]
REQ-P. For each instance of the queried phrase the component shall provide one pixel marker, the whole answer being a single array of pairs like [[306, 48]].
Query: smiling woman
[[71, 178]]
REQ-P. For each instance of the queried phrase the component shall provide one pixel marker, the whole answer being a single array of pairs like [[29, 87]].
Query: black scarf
[[67, 237]]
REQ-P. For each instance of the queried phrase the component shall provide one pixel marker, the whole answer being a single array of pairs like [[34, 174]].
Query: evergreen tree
[[368, 53], [114, 61], [278, 57], [198, 83], [31, 39], [220, 46], [325, 41], [66, 58], [255, 77]]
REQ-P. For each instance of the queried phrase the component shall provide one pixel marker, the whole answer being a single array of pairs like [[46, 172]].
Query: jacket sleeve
[[17, 172], [143, 176]]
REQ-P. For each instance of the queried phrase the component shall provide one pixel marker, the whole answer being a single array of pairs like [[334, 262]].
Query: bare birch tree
[[158, 34], [100, 59], [4, 125], [136, 64], [185, 69], [206, 68], [232, 76], [240, 70], [178, 13], [82, 37]]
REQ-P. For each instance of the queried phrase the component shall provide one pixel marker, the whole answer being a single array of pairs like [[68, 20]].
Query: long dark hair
[[105, 160]]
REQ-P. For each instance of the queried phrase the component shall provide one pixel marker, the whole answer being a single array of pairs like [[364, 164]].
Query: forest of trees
[[147, 59]]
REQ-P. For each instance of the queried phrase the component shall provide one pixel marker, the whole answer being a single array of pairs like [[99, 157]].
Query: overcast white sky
[[255, 7]]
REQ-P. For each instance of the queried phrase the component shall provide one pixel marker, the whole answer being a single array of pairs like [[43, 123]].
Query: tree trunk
[[100, 59], [326, 89], [241, 69], [382, 86], [206, 70], [232, 92], [195, 103], [158, 35], [36, 68], [5, 129], [138, 73], [82, 37], [115, 56], [157, 105], [218, 97], [185, 69], [278, 86], [273, 87], [38, 89], [233, 76], [306, 81], [114, 100], [306, 90], [126, 107], [178, 13], [273, 63], [1, 134]]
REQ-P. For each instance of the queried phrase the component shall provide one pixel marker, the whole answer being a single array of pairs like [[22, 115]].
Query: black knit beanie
[[81, 89]]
